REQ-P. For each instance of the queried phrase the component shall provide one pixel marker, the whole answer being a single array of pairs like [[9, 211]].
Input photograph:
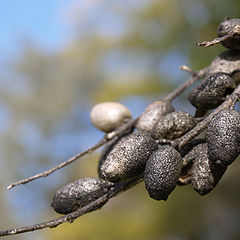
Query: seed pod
[[227, 62], [212, 91], [205, 174], [108, 147], [127, 158], [223, 137], [230, 27], [152, 114], [173, 125], [107, 116], [162, 172], [78, 194]]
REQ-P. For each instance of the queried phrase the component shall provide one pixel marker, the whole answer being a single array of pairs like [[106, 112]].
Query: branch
[[120, 187], [130, 124], [92, 206]]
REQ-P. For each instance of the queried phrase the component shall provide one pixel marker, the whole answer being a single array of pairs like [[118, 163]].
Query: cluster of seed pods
[[147, 152]]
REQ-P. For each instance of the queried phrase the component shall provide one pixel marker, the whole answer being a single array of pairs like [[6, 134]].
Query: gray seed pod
[[227, 62], [223, 137], [107, 116], [127, 158], [162, 172], [212, 91], [78, 194], [173, 125], [152, 114], [228, 27], [205, 174]]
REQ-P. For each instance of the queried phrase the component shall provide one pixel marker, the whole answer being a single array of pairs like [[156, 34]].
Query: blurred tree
[[124, 50]]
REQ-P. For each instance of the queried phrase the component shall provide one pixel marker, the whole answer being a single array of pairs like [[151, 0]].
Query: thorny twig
[[195, 76]]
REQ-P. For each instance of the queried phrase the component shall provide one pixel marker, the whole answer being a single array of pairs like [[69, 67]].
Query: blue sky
[[40, 21]]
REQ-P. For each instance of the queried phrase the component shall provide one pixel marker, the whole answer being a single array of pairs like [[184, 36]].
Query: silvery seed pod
[[223, 137], [205, 174], [127, 158], [78, 194], [212, 91], [162, 172], [108, 147], [152, 114], [173, 125], [230, 27], [227, 62], [108, 116]]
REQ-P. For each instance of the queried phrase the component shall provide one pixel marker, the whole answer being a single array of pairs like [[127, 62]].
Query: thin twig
[[215, 41], [229, 102], [235, 32], [94, 205], [70, 160], [195, 77], [189, 70], [106, 138]]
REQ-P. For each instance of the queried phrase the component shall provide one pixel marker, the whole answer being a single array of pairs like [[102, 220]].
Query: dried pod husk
[[227, 62], [205, 173], [212, 91], [173, 125], [231, 27], [127, 157], [79, 193], [188, 154], [223, 137], [162, 172], [152, 114], [108, 116]]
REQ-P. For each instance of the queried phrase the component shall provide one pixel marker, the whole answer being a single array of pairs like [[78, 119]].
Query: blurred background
[[57, 59]]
